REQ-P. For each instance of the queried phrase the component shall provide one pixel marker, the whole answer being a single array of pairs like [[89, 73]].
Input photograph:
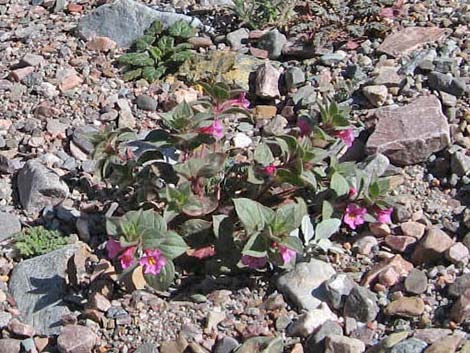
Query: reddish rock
[[69, 82], [411, 38], [19, 74], [20, 329], [401, 266], [380, 229], [413, 229], [9, 345], [200, 42], [432, 247], [399, 243], [74, 8], [411, 133], [406, 307], [76, 339], [448, 344], [458, 254], [267, 81], [103, 44], [389, 277]]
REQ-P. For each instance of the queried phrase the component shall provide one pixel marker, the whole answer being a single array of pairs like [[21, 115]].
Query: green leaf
[[156, 53], [173, 245], [163, 280], [256, 246], [144, 42], [132, 75], [327, 210], [156, 28], [151, 74], [309, 178], [293, 243], [166, 44], [307, 229], [194, 226], [136, 59], [181, 29], [151, 220], [263, 154], [252, 214], [181, 56], [327, 228], [213, 164], [339, 184], [289, 217]]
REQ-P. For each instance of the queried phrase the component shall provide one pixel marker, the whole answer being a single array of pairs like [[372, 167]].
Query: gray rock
[[81, 137], [216, 3], [5, 318], [294, 77], [342, 344], [388, 76], [460, 285], [147, 348], [9, 225], [305, 95], [145, 102], [236, 38], [76, 339], [39, 186], [125, 20], [38, 287], [267, 81], [273, 41], [460, 163], [445, 65], [376, 95], [375, 166], [316, 342], [226, 345], [446, 83], [338, 288], [411, 345], [29, 346], [331, 59], [410, 134], [416, 282], [300, 283], [361, 304]]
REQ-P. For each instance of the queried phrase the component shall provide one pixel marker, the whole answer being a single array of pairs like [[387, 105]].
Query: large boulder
[[410, 134], [125, 20], [38, 286], [9, 225]]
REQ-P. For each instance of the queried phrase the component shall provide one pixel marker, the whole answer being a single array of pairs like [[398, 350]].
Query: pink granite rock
[[405, 41], [411, 133]]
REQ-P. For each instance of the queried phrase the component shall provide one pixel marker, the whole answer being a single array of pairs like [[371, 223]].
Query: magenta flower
[[385, 216], [354, 215], [286, 253], [128, 257], [153, 261], [241, 102], [113, 247], [270, 170], [216, 129], [305, 128], [254, 262], [347, 136], [352, 191]]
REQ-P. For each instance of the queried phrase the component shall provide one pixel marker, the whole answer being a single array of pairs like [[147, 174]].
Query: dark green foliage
[[158, 52], [37, 241]]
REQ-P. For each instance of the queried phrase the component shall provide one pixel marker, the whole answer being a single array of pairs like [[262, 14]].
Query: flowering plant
[[231, 207]]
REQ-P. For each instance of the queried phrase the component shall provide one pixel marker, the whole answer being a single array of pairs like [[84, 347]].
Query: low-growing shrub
[[37, 241], [158, 52], [252, 207]]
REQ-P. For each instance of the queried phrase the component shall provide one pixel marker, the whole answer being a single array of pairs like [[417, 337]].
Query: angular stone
[[38, 287], [236, 38], [21, 329], [70, 81], [447, 83], [461, 309], [416, 282], [460, 163], [39, 187], [434, 244], [226, 345], [103, 44], [337, 289], [273, 42], [294, 77], [431, 335], [401, 266], [376, 95], [410, 134], [399, 242], [448, 344], [316, 341], [300, 283], [411, 345], [361, 304], [342, 344], [9, 225], [20, 74], [389, 277], [406, 307], [388, 76], [458, 254], [267, 81], [311, 321], [460, 285], [413, 229], [124, 21], [405, 41], [76, 339], [9, 345], [31, 59]]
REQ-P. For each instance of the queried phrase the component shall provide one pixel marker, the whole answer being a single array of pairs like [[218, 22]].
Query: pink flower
[[153, 261], [270, 170], [354, 215], [385, 216], [113, 247], [128, 257], [305, 128], [254, 262], [216, 129], [352, 191], [241, 102], [286, 253], [347, 136]]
